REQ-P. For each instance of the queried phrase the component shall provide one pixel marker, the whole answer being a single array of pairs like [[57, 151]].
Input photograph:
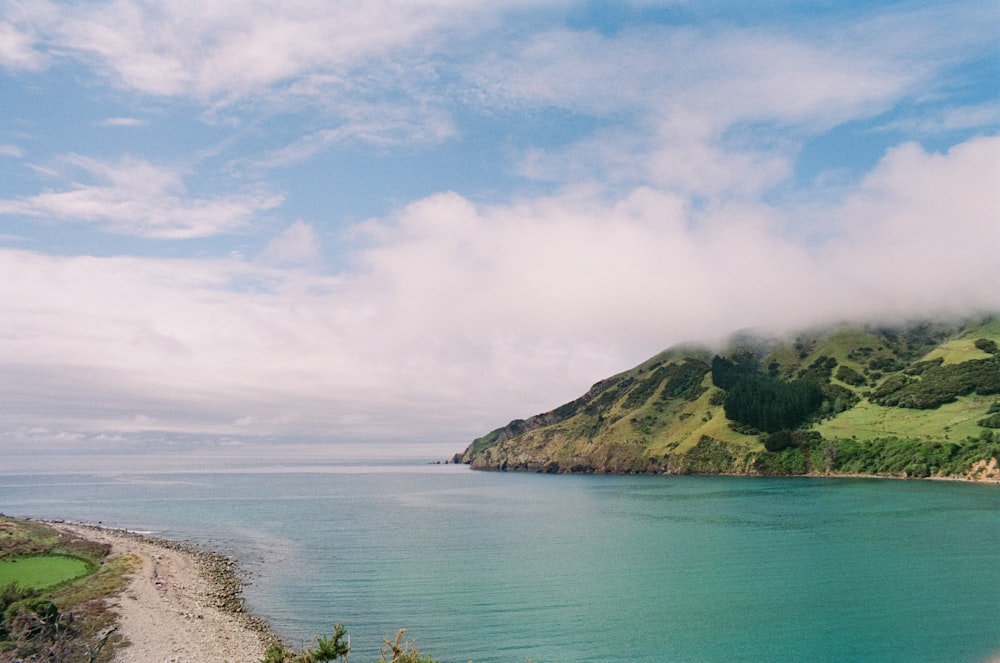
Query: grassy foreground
[[54, 589]]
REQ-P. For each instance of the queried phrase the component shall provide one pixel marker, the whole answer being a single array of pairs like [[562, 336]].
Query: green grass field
[[41, 572], [951, 421], [963, 348]]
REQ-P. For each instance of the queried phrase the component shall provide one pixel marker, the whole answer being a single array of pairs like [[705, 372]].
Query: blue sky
[[225, 221]]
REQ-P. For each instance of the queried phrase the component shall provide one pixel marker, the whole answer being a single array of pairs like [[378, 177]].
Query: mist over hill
[[914, 399]]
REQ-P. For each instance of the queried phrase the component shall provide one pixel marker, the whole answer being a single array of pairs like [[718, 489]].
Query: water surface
[[503, 567]]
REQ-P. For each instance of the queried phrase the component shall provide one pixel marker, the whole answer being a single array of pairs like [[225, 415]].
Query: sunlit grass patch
[[43, 571], [955, 421]]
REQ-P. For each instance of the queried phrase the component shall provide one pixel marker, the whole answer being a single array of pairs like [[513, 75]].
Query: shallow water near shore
[[503, 567]]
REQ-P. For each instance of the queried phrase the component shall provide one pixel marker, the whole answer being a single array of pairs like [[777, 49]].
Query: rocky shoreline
[[221, 571], [185, 604]]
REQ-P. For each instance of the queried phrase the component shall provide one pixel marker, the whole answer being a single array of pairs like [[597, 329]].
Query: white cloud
[[390, 72], [17, 50], [135, 197], [14, 151], [461, 317], [713, 112], [455, 316], [760, 75], [721, 111], [228, 49], [123, 122], [370, 66], [382, 125], [296, 246], [922, 231], [977, 117]]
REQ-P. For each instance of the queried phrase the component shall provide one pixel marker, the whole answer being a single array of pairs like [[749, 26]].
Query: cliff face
[[830, 401]]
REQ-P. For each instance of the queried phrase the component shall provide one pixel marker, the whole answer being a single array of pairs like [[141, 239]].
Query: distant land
[[912, 400]]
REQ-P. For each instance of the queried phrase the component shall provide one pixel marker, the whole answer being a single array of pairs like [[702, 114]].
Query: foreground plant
[[403, 652], [339, 646], [326, 649]]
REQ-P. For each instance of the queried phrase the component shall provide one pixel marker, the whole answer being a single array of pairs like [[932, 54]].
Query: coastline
[[993, 478], [982, 471], [182, 604]]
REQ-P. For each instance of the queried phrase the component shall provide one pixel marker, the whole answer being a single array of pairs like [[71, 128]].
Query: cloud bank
[[648, 183], [459, 314]]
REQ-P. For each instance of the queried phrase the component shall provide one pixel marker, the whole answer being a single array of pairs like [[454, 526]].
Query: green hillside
[[921, 399]]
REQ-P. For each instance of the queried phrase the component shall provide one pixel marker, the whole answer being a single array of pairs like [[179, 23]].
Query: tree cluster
[[888, 456], [761, 401]]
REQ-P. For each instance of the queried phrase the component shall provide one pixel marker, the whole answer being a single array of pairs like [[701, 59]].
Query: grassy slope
[[962, 347], [951, 421]]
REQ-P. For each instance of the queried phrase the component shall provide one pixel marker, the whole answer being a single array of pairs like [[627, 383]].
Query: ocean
[[503, 568]]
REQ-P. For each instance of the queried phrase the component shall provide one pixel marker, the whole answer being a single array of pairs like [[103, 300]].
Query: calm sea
[[506, 567]]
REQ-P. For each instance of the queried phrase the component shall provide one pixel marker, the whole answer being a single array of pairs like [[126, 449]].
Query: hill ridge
[[914, 399]]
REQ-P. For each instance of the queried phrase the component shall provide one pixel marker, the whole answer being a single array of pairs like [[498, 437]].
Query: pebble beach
[[182, 605]]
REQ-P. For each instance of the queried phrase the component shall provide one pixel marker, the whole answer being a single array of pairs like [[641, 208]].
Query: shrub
[[857, 354], [32, 628], [986, 345], [914, 458], [940, 384], [789, 462], [338, 646], [921, 366], [850, 376], [403, 652], [838, 398], [324, 651], [778, 441], [992, 421], [885, 364], [820, 370]]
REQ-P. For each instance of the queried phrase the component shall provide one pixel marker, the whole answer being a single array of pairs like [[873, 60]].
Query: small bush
[[992, 421], [886, 364], [850, 376], [986, 345], [337, 647], [403, 652], [324, 651], [778, 441], [789, 462]]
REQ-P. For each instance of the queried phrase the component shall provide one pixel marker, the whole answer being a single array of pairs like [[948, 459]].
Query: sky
[[232, 222]]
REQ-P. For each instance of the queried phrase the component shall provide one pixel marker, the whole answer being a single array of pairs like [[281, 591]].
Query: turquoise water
[[507, 567]]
